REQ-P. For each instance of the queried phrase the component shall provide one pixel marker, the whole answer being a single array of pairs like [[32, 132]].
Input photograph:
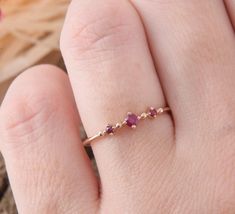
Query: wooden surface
[[29, 35]]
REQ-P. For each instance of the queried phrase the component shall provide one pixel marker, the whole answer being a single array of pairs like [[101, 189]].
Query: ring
[[130, 121]]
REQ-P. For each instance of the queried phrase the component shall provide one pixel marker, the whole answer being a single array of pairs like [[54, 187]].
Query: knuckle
[[108, 27], [26, 117], [27, 114]]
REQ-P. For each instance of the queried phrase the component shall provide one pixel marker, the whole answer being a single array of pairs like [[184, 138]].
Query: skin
[[125, 56]]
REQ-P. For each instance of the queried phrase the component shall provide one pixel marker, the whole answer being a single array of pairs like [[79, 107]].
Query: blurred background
[[29, 35]]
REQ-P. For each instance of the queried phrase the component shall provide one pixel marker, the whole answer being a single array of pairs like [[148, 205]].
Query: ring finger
[[112, 72]]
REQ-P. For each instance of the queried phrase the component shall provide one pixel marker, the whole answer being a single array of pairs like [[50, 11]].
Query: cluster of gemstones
[[132, 120]]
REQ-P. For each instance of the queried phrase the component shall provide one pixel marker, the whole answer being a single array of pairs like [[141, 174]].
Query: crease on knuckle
[[26, 118], [103, 33]]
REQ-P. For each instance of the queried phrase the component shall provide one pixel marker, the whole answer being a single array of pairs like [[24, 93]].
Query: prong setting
[[133, 127]]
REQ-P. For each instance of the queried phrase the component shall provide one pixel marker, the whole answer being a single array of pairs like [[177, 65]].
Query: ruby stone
[[153, 112], [131, 120], [109, 129]]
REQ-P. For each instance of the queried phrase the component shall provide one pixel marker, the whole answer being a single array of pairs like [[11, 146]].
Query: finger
[[111, 72], [193, 46], [47, 166], [230, 5]]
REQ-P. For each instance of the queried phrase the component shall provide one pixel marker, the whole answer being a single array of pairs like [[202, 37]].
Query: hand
[[125, 56]]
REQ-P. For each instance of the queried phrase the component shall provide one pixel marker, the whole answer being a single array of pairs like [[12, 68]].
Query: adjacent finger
[[193, 46], [46, 163]]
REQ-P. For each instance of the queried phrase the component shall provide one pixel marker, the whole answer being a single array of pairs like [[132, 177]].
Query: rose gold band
[[131, 121]]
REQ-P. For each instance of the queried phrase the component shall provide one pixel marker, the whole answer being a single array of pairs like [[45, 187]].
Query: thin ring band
[[131, 121]]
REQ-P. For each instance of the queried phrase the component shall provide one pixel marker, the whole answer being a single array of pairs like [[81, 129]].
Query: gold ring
[[131, 121]]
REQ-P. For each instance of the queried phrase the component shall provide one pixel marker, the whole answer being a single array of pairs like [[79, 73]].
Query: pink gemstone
[[152, 112], [109, 129], [131, 120]]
